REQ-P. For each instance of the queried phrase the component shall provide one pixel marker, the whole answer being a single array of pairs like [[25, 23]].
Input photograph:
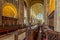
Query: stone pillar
[[1, 12], [28, 32], [46, 11], [21, 12], [57, 16], [0, 17], [0, 20], [28, 14]]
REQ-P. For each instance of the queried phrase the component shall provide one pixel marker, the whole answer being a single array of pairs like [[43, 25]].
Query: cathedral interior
[[29, 20]]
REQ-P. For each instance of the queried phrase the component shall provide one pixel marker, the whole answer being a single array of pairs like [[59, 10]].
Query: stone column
[[1, 12], [0, 17], [46, 11], [57, 16], [21, 12], [28, 14], [28, 32]]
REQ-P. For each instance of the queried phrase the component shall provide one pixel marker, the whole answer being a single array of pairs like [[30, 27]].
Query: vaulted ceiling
[[31, 2], [36, 9], [51, 4]]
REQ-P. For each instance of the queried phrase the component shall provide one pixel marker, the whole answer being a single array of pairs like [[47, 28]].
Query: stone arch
[[40, 10], [34, 2], [25, 2], [37, 3], [29, 3]]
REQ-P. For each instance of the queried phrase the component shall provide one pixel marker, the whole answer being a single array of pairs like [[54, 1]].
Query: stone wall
[[57, 16]]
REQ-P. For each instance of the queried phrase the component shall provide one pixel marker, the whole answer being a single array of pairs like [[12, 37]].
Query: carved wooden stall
[[8, 14], [51, 20], [52, 35]]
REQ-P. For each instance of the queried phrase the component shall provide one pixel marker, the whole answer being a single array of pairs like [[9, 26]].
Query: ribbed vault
[[32, 2]]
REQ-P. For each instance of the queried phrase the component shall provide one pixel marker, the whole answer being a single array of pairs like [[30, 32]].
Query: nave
[[29, 20]]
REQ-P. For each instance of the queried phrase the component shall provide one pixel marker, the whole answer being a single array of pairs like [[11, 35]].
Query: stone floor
[[11, 37]]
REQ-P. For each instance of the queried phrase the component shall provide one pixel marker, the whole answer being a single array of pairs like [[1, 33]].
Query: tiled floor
[[11, 37], [22, 36], [8, 37]]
